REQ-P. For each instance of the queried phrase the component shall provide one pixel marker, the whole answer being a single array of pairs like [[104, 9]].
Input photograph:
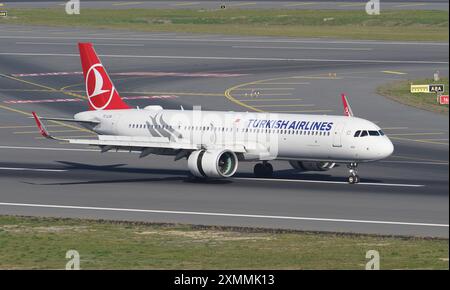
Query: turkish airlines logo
[[99, 88]]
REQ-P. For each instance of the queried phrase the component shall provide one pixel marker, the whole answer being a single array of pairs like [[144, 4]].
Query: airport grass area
[[400, 91], [42, 243], [389, 25]]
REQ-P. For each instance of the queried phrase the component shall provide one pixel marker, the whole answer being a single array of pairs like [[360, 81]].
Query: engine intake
[[312, 165], [213, 163]]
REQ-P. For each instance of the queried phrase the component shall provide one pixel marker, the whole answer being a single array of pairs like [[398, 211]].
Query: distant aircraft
[[214, 142]]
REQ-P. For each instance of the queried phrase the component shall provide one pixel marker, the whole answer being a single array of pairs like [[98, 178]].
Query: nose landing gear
[[354, 177], [264, 169]]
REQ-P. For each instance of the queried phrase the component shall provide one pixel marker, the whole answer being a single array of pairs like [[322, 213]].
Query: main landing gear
[[264, 169], [353, 169]]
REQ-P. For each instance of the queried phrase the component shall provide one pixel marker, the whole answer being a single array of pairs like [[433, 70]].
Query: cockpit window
[[364, 134], [374, 133], [357, 133], [381, 133]]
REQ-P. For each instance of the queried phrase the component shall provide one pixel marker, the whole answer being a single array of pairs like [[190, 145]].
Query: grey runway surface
[[242, 4], [40, 70]]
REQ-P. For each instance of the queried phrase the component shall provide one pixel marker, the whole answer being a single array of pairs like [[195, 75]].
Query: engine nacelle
[[213, 163], [312, 165]]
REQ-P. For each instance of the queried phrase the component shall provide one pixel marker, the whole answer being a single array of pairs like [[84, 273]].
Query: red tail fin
[[100, 90], [347, 109]]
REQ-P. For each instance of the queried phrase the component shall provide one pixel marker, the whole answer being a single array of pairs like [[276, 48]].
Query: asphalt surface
[[39, 70], [242, 4]]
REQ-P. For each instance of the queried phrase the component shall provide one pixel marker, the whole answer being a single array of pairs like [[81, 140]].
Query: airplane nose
[[388, 148]]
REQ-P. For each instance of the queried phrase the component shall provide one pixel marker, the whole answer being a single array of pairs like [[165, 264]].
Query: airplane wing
[[69, 120], [132, 143]]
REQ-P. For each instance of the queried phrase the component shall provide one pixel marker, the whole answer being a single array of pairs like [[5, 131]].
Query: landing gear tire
[[354, 177], [263, 170]]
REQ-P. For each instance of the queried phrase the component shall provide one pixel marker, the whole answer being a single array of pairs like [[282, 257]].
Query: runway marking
[[245, 40], [150, 74], [16, 102], [394, 72], [304, 111], [126, 3], [230, 97], [262, 95], [307, 83], [417, 134], [414, 162], [54, 122], [73, 44], [395, 128], [168, 93], [268, 100], [317, 78], [328, 182], [23, 127], [27, 82], [242, 4], [263, 89], [185, 4], [79, 100], [351, 4], [32, 169], [28, 90], [240, 215], [303, 48], [299, 4], [285, 105], [419, 141], [445, 139], [37, 131], [42, 86], [409, 5], [416, 158], [231, 58]]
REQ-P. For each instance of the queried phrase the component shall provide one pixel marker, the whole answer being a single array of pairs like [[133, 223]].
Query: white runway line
[[195, 213], [231, 58], [74, 44], [304, 48], [415, 162], [327, 182], [32, 169], [246, 40]]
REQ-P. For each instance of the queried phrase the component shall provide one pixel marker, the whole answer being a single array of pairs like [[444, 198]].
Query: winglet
[[41, 126], [347, 109]]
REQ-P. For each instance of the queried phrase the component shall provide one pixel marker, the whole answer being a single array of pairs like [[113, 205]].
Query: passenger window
[[364, 134], [357, 133]]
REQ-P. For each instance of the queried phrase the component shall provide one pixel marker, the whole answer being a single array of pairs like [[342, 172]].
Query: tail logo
[[99, 88]]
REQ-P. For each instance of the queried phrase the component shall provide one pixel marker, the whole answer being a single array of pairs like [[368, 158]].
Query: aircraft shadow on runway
[[170, 175]]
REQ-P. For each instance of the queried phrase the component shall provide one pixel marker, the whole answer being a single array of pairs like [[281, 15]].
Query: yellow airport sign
[[427, 88], [420, 89]]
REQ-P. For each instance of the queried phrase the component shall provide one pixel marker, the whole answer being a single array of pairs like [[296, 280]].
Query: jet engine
[[312, 165], [213, 163]]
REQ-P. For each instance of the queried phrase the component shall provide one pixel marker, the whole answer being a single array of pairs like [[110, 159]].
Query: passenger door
[[337, 135]]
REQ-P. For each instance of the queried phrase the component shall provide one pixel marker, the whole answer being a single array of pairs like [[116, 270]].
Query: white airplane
[[214, 142]]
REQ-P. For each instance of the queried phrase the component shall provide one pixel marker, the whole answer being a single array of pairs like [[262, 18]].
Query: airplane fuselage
[[265, 136]]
